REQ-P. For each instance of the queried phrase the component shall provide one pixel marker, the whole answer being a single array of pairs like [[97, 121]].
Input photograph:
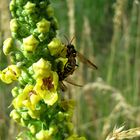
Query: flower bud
[[42, 68], [25, 76], [19, 138], [7, 46], [55, 23], [15, 91], [60, 116], [32, 129], [43, 26], [23, 122], [43, 135], [15, 115], [25, 115], [53, 129], [21, 81], [14, 25], [75, 137], [56, 47], [70, 126], [30, 43], [29, 7], [12, 5], [50, 11]]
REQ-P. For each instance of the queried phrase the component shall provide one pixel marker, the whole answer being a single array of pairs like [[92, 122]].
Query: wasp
[[71, 64]]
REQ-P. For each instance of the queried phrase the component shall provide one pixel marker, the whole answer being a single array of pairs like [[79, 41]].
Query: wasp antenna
[[72, 39], [67, 39]]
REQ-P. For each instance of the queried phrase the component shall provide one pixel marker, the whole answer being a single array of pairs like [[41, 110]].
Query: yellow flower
[[32, 101], [56, 48], [42, 68], [28, 98], [46, 87], [18, 101], [10, 74], [43, 26], [30, 43]]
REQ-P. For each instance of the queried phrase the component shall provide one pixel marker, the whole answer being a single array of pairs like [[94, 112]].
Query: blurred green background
[[108, 33]]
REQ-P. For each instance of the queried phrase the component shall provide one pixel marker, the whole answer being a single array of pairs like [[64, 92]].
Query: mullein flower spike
[[37, 56]]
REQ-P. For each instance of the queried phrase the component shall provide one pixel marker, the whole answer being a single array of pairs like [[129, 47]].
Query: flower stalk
[[36, 54]]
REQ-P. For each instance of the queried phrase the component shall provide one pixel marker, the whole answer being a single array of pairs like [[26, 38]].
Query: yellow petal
[[51, 98]]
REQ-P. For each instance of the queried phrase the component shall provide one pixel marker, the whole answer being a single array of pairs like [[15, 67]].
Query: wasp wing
[[86, 61], [68, 80]]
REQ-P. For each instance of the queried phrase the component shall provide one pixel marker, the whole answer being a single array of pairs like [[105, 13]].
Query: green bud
[[75, 137], [14, 25], [19, 2], [52, 129], [15, 115], [67, 116], [15, 91], [50, 11], [7, 46], [42, 68], [19, 139], [25, 76], [70, 126], [25, 115], [23, 122], [32, 129], [30, 70], [43, 26], [19, 56], [12, 5], [55, 23], [30, 43], [42, 4], [60, 116], [56, 47], [43, 135], [29, 7], [42, 37], [21, 81]]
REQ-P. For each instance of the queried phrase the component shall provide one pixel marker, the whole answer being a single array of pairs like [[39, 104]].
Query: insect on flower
[[71, 64]]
